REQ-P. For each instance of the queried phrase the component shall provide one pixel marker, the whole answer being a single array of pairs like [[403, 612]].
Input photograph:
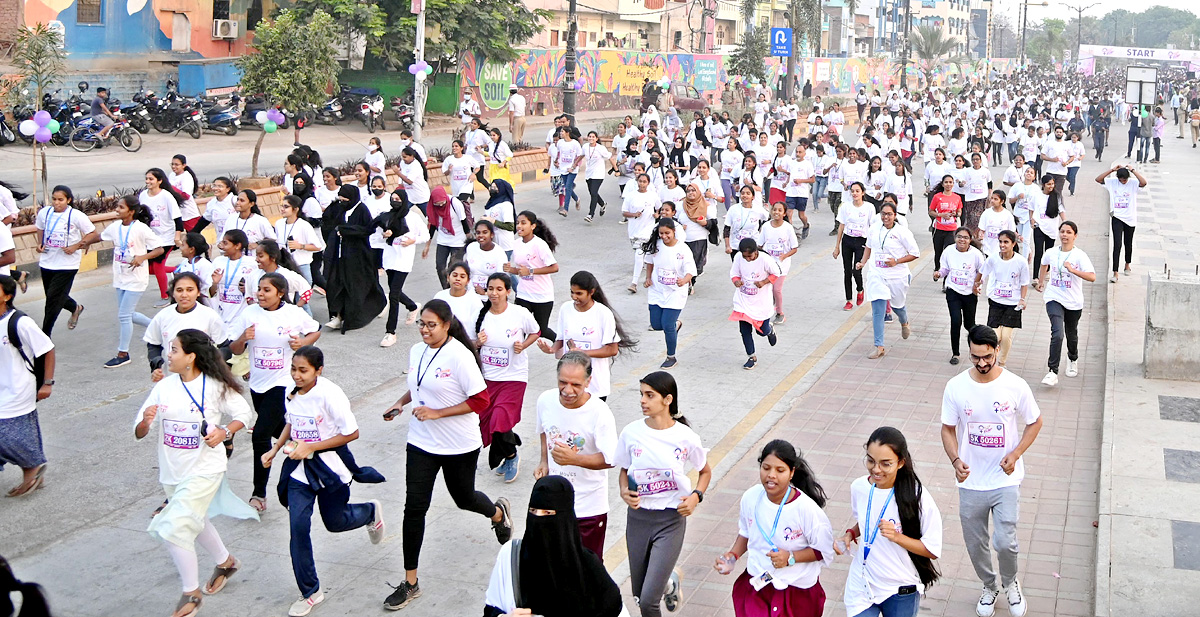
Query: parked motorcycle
[[406, 115], [256, 103], [330, 112], [224, 118]]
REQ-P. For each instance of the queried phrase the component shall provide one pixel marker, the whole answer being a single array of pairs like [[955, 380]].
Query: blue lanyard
[[869, 535], [203, 385], [231, 275], [54, 221], [124, 240], [769, 538]]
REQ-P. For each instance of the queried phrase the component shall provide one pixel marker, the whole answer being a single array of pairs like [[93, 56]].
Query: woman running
[[1064, 269], [743, 221], [889, 248], [1048, 214], [752, 308], [191, 462], [783, 565], [218, 207], [188, 311], [533, 262], [995, 219], [595, 157], [63, 234], [270, 258], [353, 292], [460, 168], [654, 455], [589, 325], [184, 179], [463, 301], [639, 209], [696, 212], [484, 256], [855, 220], [945, 209], [978, 181], [403, 228], [228, 280], [133, 245], [778, 239], [22, 444], [1007, 274], [248, 219], [449, 228], [446, 390], [901, 531], [962, 269], [1022, 201], [194, 249], [297, 236], [669, 271], [505, 332]]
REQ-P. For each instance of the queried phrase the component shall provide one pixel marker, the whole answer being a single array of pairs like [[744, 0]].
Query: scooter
[[405, 114], [371, 110], [222, 118], [330, 112]]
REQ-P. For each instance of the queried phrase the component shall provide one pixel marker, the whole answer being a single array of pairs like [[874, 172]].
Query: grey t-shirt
[[98, 104]]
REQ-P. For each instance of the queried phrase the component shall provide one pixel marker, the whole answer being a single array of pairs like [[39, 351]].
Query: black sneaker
[[504, 526], [804, 232], [118, 361], [772, 338], [602, 206], [405, 593], [671, 597], [750, 362], [669, 362]]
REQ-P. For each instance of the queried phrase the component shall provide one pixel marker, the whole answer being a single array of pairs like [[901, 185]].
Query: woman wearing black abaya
[[353, 291], [556, 576]]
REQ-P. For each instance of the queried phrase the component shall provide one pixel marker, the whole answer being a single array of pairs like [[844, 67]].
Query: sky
[[1058, 8]]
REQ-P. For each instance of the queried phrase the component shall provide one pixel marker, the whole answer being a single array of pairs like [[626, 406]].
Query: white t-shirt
[[589, 429], [186, 185], [671, 264], [890, 566], [167, 323], [459, 169], [165, 210], [465, 307], [1062, 286], [269, 350], [977, 183], [990, 418], [799, 170], [644, 205], [321, 413], [1058, 150], [301, 231], [230, 299], [596, 158], [590, 329], [6, 244], [791, 526], [857, 219], [778, 240], [484, 263], [751, 300], [217, 212], [60, 230], [503, 212], [438, 379], [18, 387], [375, 158], [730, 161], [130, 241], [256, 227], [896, 242], [501, 362], [295, 281], [744, 222], [453, 235], [658, 460], [1014, 176], [991, 223], [567, 151], [1122, 199], [535, 253], [182, 453], [201, 267], [1006, 278], [960, 268]]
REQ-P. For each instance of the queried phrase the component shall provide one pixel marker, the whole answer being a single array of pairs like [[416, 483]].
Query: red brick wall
[[10, 19]]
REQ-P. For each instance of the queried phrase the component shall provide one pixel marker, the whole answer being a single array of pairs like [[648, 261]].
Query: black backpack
[[37, 366]]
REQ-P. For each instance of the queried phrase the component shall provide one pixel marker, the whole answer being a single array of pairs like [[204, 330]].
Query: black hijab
[[306, 181], [394, 219], [558, 576], [504, 192]]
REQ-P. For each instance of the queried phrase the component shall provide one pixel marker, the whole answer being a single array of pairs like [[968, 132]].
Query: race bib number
[[1061, 281], [858, 230], [304, 428], [749, 289], [268, 358], [232, 296], [120, 255], [993, 233], [56, 240], [961, 277], [181, 435], [655, 481], [985, 434], [460, 175], [1121, 204], [881, 262], [1004, 291], [668, 277], [494, 356]]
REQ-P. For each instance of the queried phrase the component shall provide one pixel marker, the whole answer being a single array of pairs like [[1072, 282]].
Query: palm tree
[[931, 47]]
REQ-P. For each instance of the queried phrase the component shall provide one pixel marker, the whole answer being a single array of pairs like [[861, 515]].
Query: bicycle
[[87, 135]]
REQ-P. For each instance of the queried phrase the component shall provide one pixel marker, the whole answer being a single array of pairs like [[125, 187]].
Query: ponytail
[[540, 230], [908, 491], [208, 360], [803, 477], [457, 331]]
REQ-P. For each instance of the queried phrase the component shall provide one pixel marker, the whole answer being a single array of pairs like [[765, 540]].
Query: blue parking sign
[[781, 42]]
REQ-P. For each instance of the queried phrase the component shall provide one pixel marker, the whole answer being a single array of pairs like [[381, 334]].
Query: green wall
[[443, 93]]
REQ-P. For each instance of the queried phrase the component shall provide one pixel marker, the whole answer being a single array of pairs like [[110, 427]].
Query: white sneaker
[[1072, 368], [376, 529], [412, 317], [1051, 379], [304, 606], [336, 322], [389, 339], [1016, 599], [987, 603]]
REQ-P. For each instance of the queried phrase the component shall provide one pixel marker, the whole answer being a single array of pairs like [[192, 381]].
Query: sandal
[[185, 600], [36, 483], [259, 504], [159, 508], [74, 320], [223, 573], [23, 281]]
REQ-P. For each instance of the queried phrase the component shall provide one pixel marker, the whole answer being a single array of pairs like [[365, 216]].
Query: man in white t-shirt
[[982, 409], [468, 109], [515, 108], [579, 442]]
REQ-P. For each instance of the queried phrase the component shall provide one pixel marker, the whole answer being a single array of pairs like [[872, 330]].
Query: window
[[554, 38], [221, 9], [678, 39], [88, 12], [592, 36], [254, 14]]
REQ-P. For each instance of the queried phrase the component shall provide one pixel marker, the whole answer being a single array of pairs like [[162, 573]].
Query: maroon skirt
[[772, 602], [504, 412]]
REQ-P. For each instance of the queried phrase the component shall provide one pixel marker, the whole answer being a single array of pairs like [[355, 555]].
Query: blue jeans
[[1143, 149], [127, 315], [748, 331], [664, 319], [1071, 173], [819, 189], [569, 190], [895, 606], [337, 513], [878, 308]]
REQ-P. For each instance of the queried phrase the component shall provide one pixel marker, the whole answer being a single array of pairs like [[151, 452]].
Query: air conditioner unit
[[225, 29]]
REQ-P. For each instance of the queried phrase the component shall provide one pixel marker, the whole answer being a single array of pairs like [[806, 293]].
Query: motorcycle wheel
[[131, 140], [382, 126], [63, 136], [369, 120], [193, 129], [83, 140], [231, 129], [6, 134], [140, 125], [284, 124], [162, 124]]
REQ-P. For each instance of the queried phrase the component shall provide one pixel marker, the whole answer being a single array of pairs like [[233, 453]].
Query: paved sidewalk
[[831, 421]]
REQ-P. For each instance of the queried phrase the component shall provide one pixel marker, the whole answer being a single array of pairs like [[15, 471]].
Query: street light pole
[[1024, 19], [569, 64], [1079, 23], [419, 86], [907, 43]]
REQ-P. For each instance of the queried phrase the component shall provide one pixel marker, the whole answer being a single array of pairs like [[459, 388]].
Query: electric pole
[[419, 86], [569, 64], [907, 43], [1079, 23]]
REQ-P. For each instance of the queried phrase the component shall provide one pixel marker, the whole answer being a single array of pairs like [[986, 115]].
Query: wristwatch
[[50, 382], [700, 494], [791, 559]]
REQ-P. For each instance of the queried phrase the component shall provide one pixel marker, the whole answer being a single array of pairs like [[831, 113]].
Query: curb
[[1102, 591]]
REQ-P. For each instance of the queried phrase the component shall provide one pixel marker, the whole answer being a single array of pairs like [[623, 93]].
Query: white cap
[[512, 87]]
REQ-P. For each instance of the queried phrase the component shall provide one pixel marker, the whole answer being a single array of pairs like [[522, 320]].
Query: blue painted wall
[[197, 77], [119, 34]]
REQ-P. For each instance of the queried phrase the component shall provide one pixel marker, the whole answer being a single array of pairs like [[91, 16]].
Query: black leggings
[[479, 175], [962, 314], [57, 286], [942, 238], [541, 312], [458, 472], [396, 297], [1122, 234], [270, 408], [852, 252], [593, 185], [1041, 244], [504, 446]]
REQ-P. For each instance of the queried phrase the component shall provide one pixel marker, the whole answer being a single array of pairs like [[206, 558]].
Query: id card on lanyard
[[421, 375], [869, 534], [761, 581]]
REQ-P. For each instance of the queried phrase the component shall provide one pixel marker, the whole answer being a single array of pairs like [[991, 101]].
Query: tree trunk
[[257, 148]]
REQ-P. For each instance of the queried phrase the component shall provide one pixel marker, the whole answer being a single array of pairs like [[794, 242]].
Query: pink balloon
[[42, 135]]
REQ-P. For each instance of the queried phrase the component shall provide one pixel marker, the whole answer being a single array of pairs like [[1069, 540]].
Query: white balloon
[[421, 76], [27, 127], [261, 117]]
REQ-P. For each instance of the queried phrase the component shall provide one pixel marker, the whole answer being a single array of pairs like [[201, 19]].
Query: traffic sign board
[[781, 42]]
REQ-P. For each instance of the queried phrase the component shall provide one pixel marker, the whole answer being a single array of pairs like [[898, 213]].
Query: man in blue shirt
[[100, 112]]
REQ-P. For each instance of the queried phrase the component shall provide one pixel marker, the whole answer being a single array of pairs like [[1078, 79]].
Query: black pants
[[748, 331], [458, 472], [445, 256], [1099, 136], [789, 127], [1132, 140], [1157, 148], [852, 252], [699, 250], [479, 175], [57, 286], [997, 154], [200, 225], [1062, 321], [1041, 244], [942, 238], [396, 297], [504, 446], [1122, 235], [962, 314], [593, 185], [541, 312], [270, 408]]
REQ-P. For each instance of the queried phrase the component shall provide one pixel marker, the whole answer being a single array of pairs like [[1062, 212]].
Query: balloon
[[42, 135], [27, 127], [41, 117], [412, 68], [428, 70], [274, 115], [422, 65], [53, 126], [421, 76], [261, 117], [270, 127]]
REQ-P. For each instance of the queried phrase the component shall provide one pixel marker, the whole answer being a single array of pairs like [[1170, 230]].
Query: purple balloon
[[42, 117], [412, 68], [274, 115], [42, 135]]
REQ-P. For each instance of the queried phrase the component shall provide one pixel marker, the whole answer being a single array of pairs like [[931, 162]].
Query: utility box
[[1172, 346]]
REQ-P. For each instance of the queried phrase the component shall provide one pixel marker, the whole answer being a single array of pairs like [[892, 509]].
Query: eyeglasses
[[884, 466], [423, 325]]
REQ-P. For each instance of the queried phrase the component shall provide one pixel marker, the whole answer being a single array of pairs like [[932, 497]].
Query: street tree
[[748, 58], [356, 19], [41, 62], [293, 63], [930, 48], [490, 28]]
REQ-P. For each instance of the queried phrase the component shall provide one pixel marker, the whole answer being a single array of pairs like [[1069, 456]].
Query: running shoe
[[304, 606], [1051, 379], [778, 321], [859, 298], [905, 330], [503, 527], [669, 362], [954, 361], [376, 528], [412, 317], [164, 303], [671, 597], [512, 468], [772, 338], [389, 339], [1072, 368], [118, 361], [849, 306], [986, 607], [602, 205], [889, 318], [1016, 599], [833, 232], [804, 232], [334, 323], [750, 362], [405, 593], [587, 219]]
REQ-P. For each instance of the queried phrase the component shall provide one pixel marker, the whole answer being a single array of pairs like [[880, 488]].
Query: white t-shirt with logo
[[165, 210], [960, 267], [321, 413], [182, 453], [778, 240], [857, 219], [671, 263], [256, 226], [751, 300], [535, 253], [202, 268], [167, 323], [217, 212], [1123, 199], [658, 460], [441, 378], [643, 205], [590, 429], [484, 263], [990, 418], [991, 223], [801, 524], [60, 230], [6, 244], [596, 160], [799, 170], [590, 329], [465, 307], [130, 241], [1006, 277], [231, 301], [1062, 286], [18, 387], [301, 231], [269, 350], [460, 169], [744, 222], [500, 361]]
